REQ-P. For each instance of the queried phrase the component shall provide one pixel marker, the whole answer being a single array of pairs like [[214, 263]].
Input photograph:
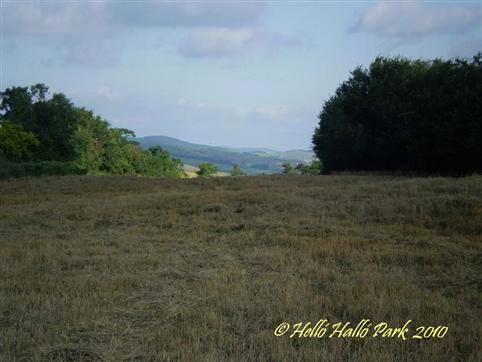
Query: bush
[[15, 143], [288, 168], [41, 168], [207, 169], [314, 168], [236, 171]]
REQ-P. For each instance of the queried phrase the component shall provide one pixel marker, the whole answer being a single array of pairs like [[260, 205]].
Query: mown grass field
[[142, 269]]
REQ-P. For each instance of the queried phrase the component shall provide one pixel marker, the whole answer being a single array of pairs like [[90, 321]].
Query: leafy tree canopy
[[207, 169], [288, 168], [408, 115], [15, 143], [38, 127], [314, 168], [236, 171]]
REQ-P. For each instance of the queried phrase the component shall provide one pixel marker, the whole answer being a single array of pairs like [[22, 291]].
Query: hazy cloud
[[272, 111], [225, 42], [230, 110], [92, 53], [107, 93], [466, 48], [80, 28], [416, 18], [60, 18], [53, 18], [215, 42], [103, 95], [186, 14], [236, 112]]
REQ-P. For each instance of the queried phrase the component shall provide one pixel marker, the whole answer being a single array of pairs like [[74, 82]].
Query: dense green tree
[[160, 163], [313, 168], [53, 120], [409, 115], [60, 131], [17, 107], [15, 143], [207, 169], [288, 168], [236, 171], [89, 140]]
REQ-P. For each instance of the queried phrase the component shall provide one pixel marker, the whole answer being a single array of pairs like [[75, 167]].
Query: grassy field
[[191, 171], [140, 269]]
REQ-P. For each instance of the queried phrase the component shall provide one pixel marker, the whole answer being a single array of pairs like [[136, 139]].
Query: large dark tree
[[408, 115], [53, 120]]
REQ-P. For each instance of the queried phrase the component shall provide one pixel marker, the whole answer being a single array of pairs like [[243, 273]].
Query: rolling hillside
[[251, 160]]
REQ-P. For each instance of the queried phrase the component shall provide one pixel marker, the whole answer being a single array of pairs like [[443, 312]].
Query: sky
[[228, 73]]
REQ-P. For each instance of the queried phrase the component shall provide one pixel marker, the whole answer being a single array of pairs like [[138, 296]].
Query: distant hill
[[251, 160], [291, 155]]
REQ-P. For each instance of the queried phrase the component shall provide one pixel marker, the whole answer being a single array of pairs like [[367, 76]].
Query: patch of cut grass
[[128, 268]]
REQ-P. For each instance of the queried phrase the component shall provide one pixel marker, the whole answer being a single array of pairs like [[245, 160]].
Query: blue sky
[[239, 73]]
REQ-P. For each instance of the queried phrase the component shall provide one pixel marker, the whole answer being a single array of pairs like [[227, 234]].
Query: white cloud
[[225, 42], [227, 109], [81, 28], [466, 48], [216, 42], [186, 13], [106, 93], [91, 53], [235, 111], [272, 111], [77, 17], [53, 18], [416, 18]]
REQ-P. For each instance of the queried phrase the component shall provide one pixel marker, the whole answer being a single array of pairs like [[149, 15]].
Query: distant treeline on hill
[[405, 115], [42, 135]]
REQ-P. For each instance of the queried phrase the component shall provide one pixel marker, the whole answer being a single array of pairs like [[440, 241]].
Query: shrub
[[207, 169], [41, 168], [236, 171]]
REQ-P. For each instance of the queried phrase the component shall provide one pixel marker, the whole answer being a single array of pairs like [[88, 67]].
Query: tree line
[[422, 116], [43, 133]]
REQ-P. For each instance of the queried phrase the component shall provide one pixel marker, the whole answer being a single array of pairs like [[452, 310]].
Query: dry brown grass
[[125, 268]]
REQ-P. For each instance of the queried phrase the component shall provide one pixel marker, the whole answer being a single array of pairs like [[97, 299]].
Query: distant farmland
[[130, 268], [251, 160]]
